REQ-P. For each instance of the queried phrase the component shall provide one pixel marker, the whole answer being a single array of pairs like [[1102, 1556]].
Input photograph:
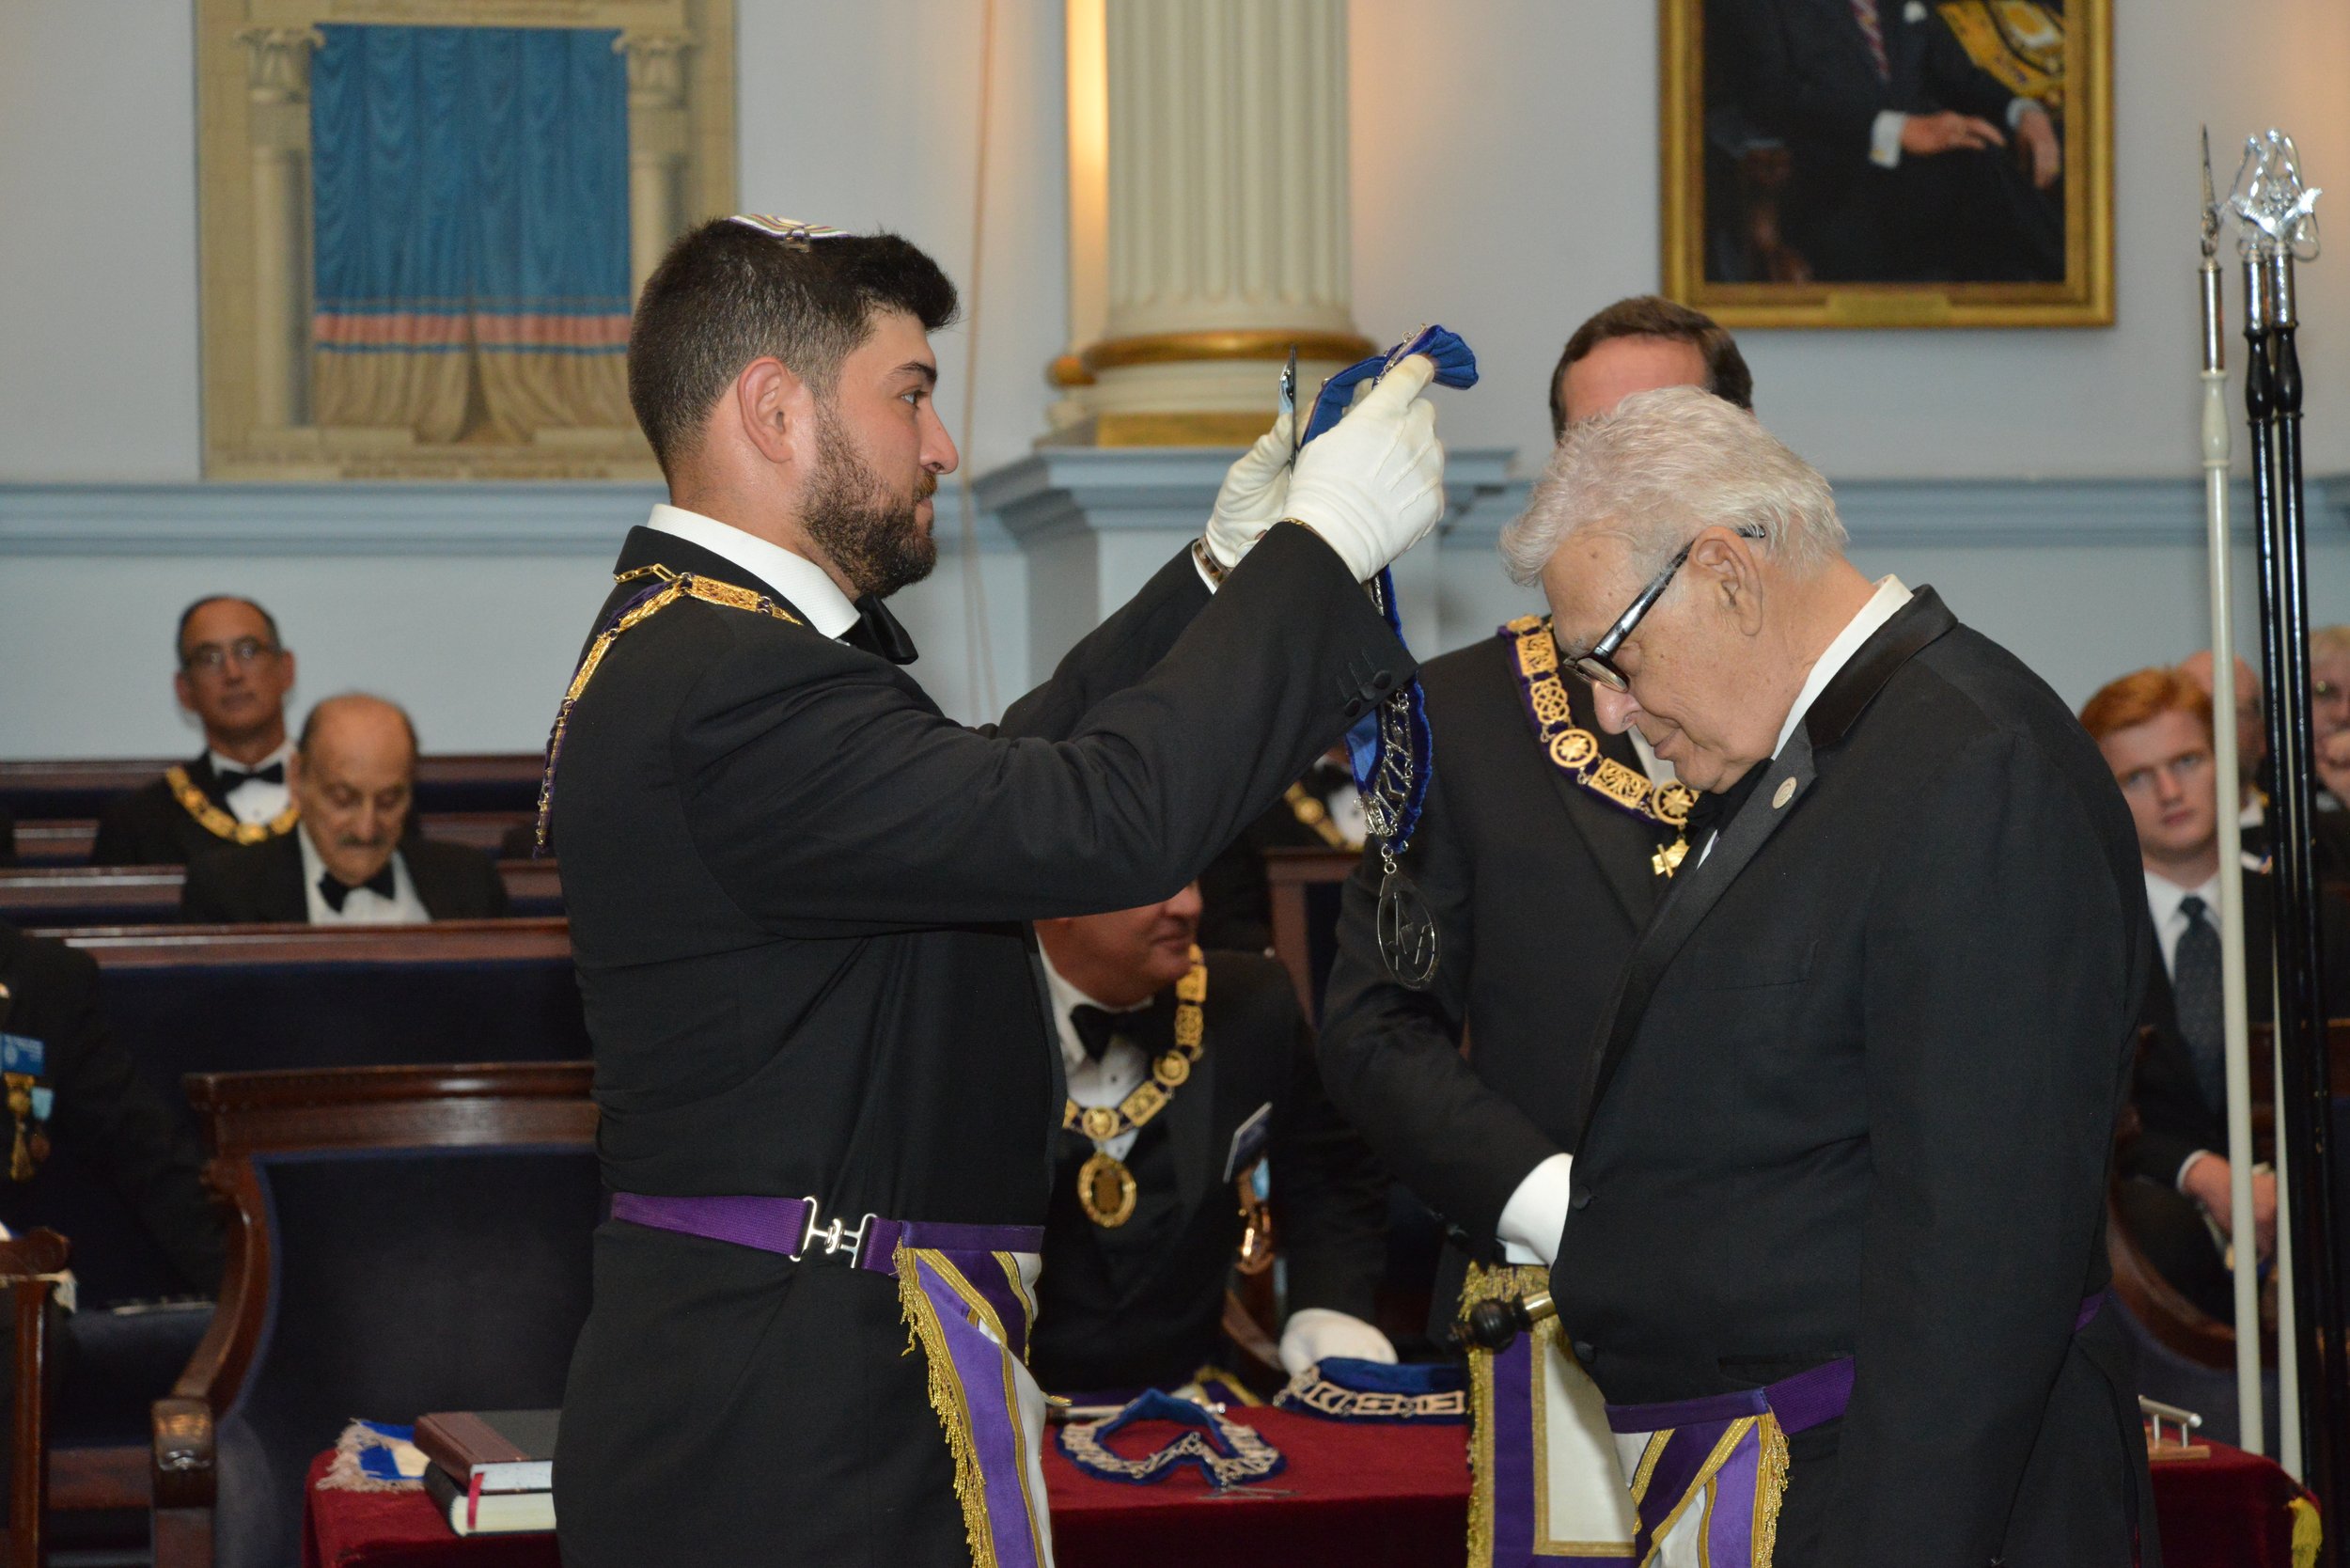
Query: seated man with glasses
[[353, 778], [1842, 1174], [233, 677], [2154, 728]]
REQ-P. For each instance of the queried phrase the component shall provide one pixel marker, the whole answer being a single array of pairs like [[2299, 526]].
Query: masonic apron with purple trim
[[1545, 1483], [968, 1293]]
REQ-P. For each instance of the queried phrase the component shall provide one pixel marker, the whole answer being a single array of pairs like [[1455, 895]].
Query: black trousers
[[2085, 1492], [727, 1406]]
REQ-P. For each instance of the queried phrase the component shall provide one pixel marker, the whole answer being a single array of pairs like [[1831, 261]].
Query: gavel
[[1492, 1325]]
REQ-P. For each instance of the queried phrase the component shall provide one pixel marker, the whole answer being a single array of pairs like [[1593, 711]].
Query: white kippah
[[787, 228]]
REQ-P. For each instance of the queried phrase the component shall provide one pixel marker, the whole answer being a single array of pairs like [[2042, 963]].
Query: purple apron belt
[[1800, 1402], [788, 1225]]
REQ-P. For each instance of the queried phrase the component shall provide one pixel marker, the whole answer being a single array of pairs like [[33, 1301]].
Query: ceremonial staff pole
[[2250, 1416], [2280, 226]]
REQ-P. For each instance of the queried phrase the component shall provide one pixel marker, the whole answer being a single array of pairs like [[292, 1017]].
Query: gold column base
[[1163, 430]]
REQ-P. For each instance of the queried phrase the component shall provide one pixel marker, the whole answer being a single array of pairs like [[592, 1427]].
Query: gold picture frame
[[254, 225], [1738, 200]]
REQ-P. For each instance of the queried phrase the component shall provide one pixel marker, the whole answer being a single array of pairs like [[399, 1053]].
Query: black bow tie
[[334, 891], [877, 632], [1715, 809], [231, 778], [1095, 1028]]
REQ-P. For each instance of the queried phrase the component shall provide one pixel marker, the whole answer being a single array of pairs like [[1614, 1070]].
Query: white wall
[[1504, 180], [1505, 183]]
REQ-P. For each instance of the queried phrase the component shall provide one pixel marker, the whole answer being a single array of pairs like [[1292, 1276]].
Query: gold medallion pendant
[[1107, 1189]]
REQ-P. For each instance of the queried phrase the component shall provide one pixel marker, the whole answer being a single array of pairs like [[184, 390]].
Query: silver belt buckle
[[835, 1237]]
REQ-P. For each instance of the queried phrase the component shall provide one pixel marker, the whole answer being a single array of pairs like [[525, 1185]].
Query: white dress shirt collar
[[1066, 997], [362, 906], [1882, 606], [253, 801], [814, 594]]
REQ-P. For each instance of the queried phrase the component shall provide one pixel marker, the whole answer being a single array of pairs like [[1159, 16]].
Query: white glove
[[1255, 493], [1317, 1333], [1372, 486]]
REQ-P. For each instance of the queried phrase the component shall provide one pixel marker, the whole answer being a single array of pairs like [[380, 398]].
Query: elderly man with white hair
[[1831, 1243]]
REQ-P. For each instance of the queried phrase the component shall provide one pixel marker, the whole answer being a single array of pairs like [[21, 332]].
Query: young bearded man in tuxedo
[[800, 901], [1843, 1166], [1147, 1195], [233, 676], [353, 861]]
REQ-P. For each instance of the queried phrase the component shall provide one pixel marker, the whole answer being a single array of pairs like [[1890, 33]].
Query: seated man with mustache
[[353, 774]]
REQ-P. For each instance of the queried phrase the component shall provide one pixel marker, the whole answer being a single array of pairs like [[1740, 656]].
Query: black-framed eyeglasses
[[1598, 666], [208, 658]]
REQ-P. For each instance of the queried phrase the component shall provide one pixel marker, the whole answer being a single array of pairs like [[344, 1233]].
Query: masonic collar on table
[[1224, 1451], [1343, 1388]]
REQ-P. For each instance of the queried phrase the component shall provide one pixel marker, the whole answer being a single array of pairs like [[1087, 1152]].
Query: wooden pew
[[451, 781], [2169, 1317], [233, 998], [79, 896], [68, 841]]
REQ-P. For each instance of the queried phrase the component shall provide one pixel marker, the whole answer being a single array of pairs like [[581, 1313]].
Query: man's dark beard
[[872, 534]]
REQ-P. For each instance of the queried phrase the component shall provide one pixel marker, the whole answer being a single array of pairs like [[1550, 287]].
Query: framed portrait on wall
[[1889, 163], [423, 225]]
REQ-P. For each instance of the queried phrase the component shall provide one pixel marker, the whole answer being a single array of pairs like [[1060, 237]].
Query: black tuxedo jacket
[[105, 1115], [1809, 75], [2174, 1119], [150, 827], [798, 897], [1142, 1304], [262, 884], [1856, 1096], [1539, 887]]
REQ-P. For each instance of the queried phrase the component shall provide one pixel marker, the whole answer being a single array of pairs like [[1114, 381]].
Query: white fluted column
[[1213, 161], [656, 146], [279, 84]]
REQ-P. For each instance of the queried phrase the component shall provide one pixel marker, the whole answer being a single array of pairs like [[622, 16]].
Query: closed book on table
[[487, 1513], [506, 1450]]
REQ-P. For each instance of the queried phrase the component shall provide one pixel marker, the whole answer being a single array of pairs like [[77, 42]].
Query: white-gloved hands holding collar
[[1374, 485], [1254, 496]]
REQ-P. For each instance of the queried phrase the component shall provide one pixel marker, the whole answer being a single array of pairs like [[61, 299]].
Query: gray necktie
[[2195, 981]]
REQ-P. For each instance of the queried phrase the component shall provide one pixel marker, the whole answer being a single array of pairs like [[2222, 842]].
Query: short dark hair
[[729, 293], [180, 643], [1647, 316]]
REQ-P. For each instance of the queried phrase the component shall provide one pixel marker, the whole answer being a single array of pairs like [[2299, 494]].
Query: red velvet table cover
[[1361, 1495]]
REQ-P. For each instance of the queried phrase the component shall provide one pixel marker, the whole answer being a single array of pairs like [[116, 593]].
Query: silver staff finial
[[2211, 204], [2278, 211]]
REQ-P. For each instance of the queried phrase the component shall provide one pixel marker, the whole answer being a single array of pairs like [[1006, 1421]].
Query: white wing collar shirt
[[1121, 1069], [255, 800], [814, 594], [1536, 1213], [362, 906]]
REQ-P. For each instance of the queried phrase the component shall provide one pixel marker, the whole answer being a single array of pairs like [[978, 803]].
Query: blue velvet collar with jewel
[[1224, 1451]]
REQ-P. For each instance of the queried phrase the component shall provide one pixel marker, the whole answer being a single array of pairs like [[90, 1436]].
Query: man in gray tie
[[2155, 728]]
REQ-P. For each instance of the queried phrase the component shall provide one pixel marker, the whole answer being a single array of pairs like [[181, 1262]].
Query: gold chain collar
[[1103, 1122], [219, 823], [1575, 751], [680, 585]]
